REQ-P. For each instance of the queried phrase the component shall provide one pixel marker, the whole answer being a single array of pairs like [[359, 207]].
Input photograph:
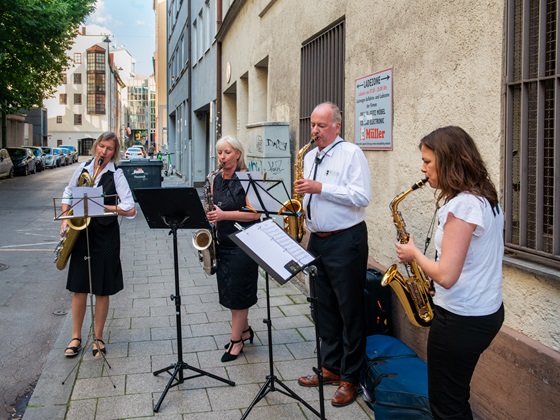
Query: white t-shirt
[[479, 288]]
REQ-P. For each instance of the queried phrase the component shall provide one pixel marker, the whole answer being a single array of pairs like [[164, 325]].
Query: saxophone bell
[[74, 226], [293, 224], [413, 292], [204, 240]]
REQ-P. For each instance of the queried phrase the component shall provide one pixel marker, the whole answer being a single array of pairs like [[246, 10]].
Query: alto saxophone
[[293, 225], [204, 240], [414, 291], [75, 226]]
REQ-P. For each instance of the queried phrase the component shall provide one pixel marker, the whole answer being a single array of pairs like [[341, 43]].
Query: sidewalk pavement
[[141, 338]]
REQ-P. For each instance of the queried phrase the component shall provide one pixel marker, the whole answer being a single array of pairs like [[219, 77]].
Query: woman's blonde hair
[[236, 144], [108, 135]]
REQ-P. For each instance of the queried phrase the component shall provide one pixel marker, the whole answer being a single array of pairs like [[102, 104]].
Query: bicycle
[[167, 165]]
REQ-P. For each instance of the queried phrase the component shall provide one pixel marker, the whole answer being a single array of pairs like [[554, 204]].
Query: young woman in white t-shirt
[[467, 271]]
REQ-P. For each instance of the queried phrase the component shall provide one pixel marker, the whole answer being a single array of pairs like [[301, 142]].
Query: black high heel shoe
[[251, 336], [227, 356]]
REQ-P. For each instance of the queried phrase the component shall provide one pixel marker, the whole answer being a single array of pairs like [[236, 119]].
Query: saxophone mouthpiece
[[100, 161], [313, 138]]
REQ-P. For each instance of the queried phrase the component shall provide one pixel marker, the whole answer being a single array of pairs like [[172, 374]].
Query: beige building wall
[[160, 71], [447, 60]]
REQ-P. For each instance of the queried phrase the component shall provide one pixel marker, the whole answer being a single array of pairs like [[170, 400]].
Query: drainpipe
[[218, 117], [189, 108]]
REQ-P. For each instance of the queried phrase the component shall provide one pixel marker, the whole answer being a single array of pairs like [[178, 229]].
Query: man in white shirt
[[337, 192]]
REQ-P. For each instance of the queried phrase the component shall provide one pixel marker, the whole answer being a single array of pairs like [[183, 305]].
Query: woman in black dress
[[104, 242], [237, 273]]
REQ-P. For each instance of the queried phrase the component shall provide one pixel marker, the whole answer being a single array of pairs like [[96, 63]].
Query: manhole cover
[[3, 267], [60, 312]]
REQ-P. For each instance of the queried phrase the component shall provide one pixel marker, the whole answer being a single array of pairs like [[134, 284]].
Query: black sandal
[[95, 351], [75, 350]]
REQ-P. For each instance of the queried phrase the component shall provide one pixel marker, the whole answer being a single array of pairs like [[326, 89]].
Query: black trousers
[[455, 344], [341, 275]]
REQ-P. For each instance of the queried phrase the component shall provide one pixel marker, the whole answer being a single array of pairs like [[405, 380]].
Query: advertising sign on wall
[[374, 111]]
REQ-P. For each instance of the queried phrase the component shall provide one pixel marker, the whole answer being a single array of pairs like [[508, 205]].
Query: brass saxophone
[[414, 291], [204, 240], [293, 225], [75, 226]]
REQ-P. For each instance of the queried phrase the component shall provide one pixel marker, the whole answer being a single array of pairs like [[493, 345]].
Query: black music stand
[[281, 257], [175, 208], [81, 210]]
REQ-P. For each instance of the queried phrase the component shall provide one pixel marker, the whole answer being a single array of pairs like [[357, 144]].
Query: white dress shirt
[[126, 201], [344, 174]]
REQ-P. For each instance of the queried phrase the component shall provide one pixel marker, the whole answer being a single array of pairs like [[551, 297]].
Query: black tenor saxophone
[[414, 291], [204, 240], [293, 225]]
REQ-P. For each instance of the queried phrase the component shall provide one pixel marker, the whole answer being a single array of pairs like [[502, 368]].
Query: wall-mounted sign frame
[[374, 111]]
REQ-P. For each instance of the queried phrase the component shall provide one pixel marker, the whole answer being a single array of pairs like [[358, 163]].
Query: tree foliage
[[34, 38]]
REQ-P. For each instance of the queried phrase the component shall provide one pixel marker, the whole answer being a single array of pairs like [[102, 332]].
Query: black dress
[[237, 273], [105, 252]]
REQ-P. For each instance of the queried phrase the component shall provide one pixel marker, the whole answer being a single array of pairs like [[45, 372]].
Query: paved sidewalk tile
[[141, 338]]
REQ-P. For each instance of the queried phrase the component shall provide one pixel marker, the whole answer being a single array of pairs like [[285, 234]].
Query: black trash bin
[[142, 173]]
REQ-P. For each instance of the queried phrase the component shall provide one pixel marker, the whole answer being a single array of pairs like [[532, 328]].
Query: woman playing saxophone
[[467, 271], [236, 272], [103, 248]]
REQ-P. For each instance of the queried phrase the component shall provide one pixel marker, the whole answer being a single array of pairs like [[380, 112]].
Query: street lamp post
[[109, 93]]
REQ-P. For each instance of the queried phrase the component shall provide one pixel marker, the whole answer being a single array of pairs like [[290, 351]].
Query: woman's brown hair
[[459, 165]]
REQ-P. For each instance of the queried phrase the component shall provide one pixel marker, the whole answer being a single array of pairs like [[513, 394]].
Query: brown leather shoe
[[345, 394], [313, 380]]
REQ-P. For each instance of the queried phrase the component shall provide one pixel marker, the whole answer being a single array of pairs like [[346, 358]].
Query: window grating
[[322, 76], [532, 145]]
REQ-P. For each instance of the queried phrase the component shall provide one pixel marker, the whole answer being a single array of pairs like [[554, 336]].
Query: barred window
[[77, 119], [59, 119], [77, 58], [77, 98], [77, 78], [532, 154], [62, 100], [324, 51]]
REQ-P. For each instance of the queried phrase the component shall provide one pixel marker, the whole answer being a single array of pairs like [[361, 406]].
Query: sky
[[130, 23]]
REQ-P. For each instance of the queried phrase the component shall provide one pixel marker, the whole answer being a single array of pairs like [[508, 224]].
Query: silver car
[[6, 165]]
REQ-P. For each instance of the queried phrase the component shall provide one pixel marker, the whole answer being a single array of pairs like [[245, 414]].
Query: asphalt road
[[33, 297]]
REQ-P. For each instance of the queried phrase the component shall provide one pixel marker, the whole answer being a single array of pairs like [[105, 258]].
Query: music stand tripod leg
[[177, 375], [271, 379]]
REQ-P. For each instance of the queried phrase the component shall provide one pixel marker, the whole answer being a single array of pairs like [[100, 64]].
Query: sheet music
[[95, 202], [269, 202], [275, 247]]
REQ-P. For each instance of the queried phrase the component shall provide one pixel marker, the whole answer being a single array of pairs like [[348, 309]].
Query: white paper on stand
[[275, 247], [92, 197]]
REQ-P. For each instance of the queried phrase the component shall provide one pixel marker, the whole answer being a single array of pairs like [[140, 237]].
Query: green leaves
[[34, 38]]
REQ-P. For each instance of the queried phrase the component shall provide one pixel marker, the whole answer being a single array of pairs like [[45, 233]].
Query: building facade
[[160, 74], [88, 102], [489, 67]]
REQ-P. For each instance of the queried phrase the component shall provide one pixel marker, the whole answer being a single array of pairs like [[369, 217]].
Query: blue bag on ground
[[394, 380]]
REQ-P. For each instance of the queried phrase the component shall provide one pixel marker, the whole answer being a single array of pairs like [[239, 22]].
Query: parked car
[[23, 160], [39, 157], [66, 156], [142, 148], [134, 153], [61, 157], [73, 152], [6, 165], [51, 160]]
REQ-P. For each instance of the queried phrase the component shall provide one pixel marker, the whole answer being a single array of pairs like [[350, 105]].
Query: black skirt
[[237, 276], [105, 258]]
